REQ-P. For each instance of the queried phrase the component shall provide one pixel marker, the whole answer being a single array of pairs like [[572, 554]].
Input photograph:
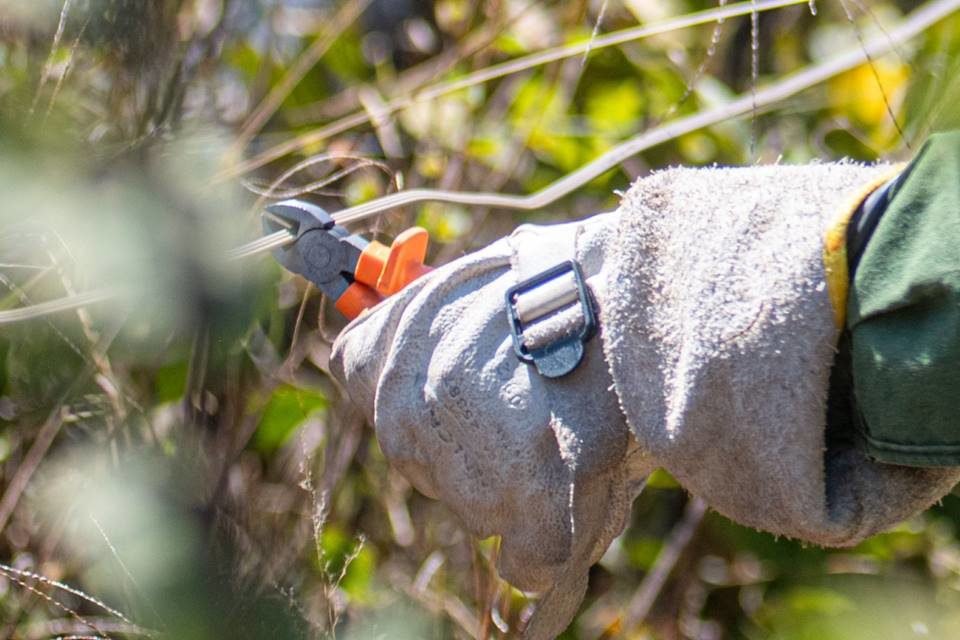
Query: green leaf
[[898, 543], [615, 109], [245, 59], [818, 600], [509, 44], [170, 382], [286, 410], [444, 222], [359, 577], [345, 58], [660, 479], [643, 552]]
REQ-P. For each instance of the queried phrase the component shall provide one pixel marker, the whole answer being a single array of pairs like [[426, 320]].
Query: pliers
[[353, 272]]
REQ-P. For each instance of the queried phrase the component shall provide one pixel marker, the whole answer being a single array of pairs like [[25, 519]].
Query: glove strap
[[550, 310]]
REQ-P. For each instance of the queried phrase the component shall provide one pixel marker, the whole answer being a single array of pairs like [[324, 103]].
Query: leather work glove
[[719, 311], [543, 462]]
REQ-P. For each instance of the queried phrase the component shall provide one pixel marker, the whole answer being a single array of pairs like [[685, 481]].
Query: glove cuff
[[721, 339]]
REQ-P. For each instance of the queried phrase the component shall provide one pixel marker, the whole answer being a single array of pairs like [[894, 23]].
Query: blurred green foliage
[[286, 408], [181, 453]]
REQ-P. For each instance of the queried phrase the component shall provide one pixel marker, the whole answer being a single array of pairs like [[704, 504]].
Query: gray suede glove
[[544, 463]]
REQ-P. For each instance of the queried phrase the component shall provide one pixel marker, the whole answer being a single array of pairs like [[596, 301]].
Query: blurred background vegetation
[[175, 461]]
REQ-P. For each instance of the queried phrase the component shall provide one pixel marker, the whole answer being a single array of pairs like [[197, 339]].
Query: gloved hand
[[718, 331], [543, 462]]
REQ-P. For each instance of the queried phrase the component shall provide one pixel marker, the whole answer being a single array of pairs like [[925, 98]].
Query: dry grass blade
[[48, 66], [67, 628], [20, 576], [594, 33], [66, 69], [53, 602], [123, 567]]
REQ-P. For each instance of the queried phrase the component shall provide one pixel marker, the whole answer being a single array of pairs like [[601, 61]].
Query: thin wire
[[273, 189], [876, 74], [266, 243]]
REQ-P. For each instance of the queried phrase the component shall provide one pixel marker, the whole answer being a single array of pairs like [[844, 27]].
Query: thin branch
[[653, 584], [26, 469], [273, 191]]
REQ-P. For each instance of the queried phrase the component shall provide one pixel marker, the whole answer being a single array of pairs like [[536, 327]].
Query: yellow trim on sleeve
[[835, 246]]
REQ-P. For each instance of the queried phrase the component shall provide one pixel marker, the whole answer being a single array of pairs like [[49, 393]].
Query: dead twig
[[18, 484], [642, 601]]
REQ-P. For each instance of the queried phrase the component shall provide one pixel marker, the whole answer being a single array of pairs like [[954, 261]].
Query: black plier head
[[322, 251]]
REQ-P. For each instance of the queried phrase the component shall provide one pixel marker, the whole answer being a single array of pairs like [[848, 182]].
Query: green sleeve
[[903, 317]]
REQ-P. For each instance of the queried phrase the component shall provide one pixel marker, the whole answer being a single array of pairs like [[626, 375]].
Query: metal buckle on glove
[[539, 297]]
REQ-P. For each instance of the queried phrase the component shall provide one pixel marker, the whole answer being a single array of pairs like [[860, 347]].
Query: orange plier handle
[[355, 273]]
